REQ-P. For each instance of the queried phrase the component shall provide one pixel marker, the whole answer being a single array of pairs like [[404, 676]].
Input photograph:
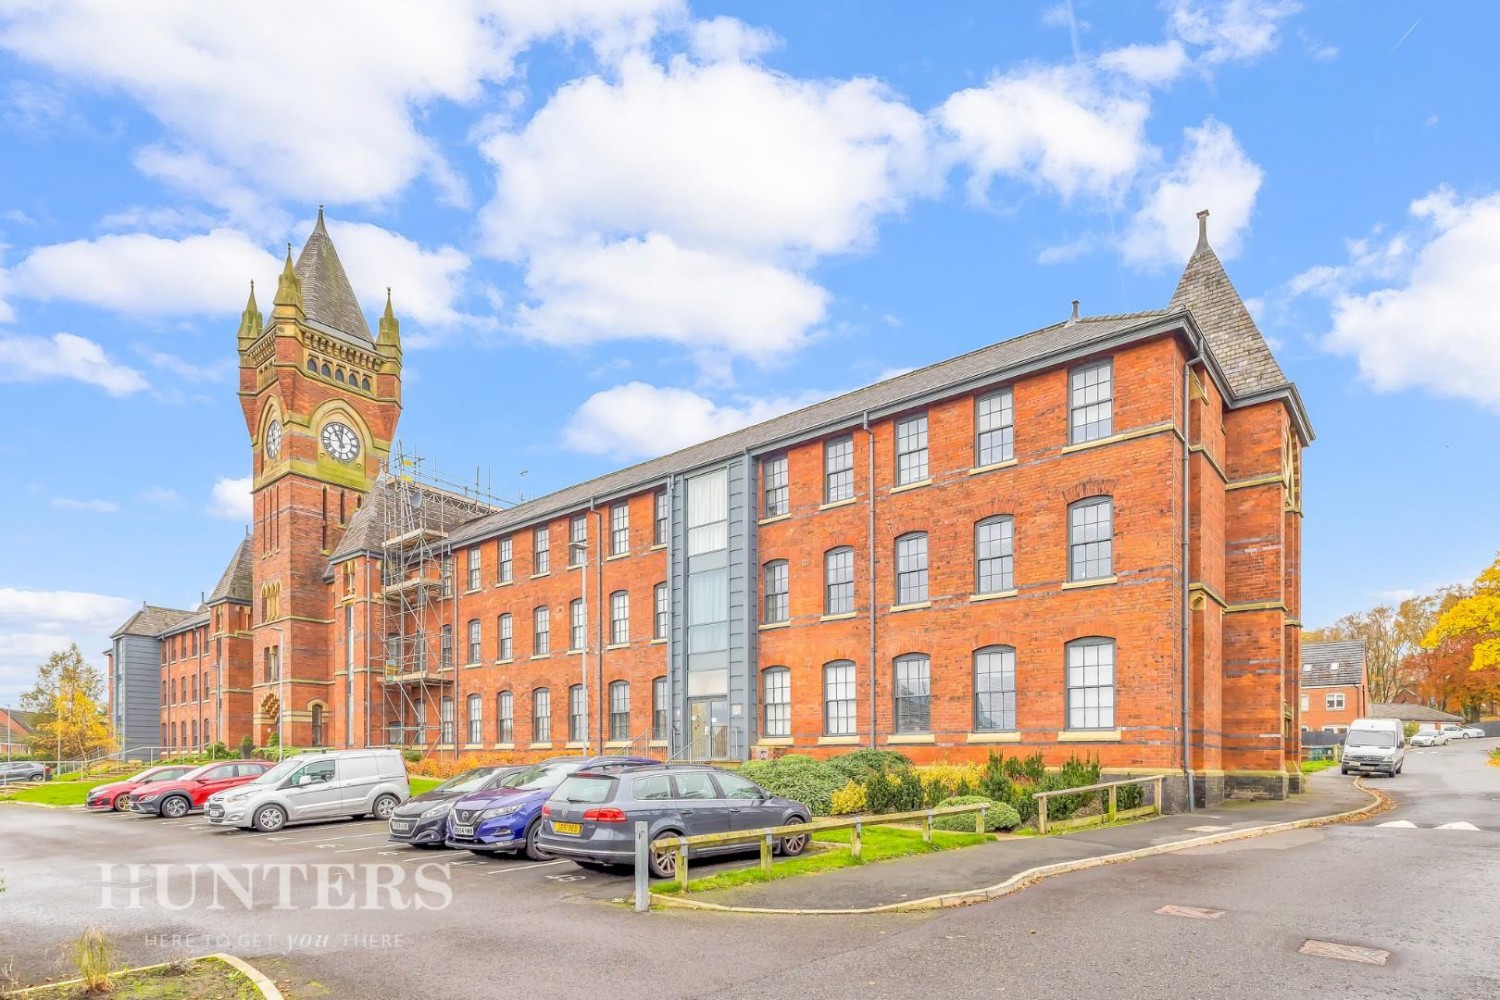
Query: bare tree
[[1391, 635]]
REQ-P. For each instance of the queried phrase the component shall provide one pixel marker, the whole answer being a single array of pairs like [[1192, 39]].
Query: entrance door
[[708, 729]]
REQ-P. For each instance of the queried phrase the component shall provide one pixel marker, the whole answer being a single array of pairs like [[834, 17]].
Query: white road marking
[[429, 857], [1460, 825], [369, 847], [326, 839], [526, 868], [1404, 824], [1347, 952]]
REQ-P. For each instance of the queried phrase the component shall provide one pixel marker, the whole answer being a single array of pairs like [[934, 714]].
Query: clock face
[[273, 439], [340, 441]]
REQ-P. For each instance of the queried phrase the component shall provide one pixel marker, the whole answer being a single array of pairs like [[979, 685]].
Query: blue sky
[[617, 226]]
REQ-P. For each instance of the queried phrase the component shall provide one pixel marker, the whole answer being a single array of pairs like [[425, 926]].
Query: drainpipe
[[599, 633], [870, 545], [1187, 597], [672, 709]]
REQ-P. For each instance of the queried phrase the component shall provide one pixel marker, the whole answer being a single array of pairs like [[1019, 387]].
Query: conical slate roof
[[1232, 335], [327, 296], [237, 582]]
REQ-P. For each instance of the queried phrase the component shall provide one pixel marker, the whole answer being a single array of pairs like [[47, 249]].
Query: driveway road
[[1420, 893]]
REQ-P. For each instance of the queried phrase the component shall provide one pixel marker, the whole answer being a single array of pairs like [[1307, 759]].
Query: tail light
[[546, 810], [606, 815]]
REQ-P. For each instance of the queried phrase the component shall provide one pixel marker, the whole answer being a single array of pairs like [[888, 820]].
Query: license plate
[[463, 831], [573, 829], [400, 827]]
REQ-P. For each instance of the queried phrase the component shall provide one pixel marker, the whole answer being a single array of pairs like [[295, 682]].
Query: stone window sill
[[473, 746], [538, 576], [1103, 581], [617, 555], [505, 660], [541, 656], [998, 595], [838, 741], [504, 583], [898, 608], [774, 518], [659, 642], [838, 503], [573, 745], [504, 746], [768, 626], [1116, 438], [616, 744], [540, 746], [617, 645], [776, 741], [906, 738], [1089, 736], [1008, 736], [658, 545], [842, 616], [980, 470], [657, 743], [904, 487]]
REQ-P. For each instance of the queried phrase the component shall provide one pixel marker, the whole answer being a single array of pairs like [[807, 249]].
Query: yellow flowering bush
[[848, 800]]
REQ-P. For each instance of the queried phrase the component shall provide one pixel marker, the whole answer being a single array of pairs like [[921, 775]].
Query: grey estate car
[[591, 817]]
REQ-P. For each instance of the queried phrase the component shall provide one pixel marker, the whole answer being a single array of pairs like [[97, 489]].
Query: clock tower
[[321, 399]]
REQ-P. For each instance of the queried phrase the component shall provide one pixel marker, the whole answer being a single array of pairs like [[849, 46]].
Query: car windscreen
[[1381, 739], [587, 788], [539, 778], [143, 775], [280, 772], [469, 781]]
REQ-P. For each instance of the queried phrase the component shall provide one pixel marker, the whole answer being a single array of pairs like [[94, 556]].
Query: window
[[476, 651], [911, 568], [578, 539], [695, 785], [619, 618], [913, 692], [619, 710], [504, 638], [838, 469], [541, 716], [911, 449], [663, 612], [778, 598], [445, 575], [737, 788], [654, 788], [659, 527], [994, 555], [838, 698], [838, 581], [476, 579], [659, 708], [195, 688], [1091, 539], [504, 561], [994, 689], [775, 494], [994, 429], [1303, 705], [578, 718], [577, 624], [476, 719], [619, 529], [541, 555], [445, 647], [505, 718], [541, 634], [1334, 701], [1091, 402], [1091, 684], [445, 720], [708, 513], [776, 701]]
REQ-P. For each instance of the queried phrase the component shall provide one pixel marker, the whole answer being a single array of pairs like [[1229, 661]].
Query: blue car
[[507, 817]]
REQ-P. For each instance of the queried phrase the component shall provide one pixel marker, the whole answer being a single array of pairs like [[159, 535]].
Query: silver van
[[311, 786]]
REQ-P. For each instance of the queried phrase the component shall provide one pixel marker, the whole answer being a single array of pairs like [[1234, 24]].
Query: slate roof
[[192, 621], [20, 723], [1411, 713], [1333, 664], [443, 510], [1206, 291], [327, 296], [237, 583], [992, 362], [151, 621]]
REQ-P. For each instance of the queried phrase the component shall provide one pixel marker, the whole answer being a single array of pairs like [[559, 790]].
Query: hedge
[[999, 815]]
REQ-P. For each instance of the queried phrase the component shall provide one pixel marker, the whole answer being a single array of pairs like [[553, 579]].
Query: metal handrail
[[628, 747], [685, 751]]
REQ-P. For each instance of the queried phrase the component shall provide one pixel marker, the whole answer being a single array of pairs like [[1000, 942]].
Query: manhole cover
[[1195, 912], [1346, 952]]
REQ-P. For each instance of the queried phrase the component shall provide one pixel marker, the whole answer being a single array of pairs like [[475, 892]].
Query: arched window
[[338, 376], [776, 702], [327, 371], [1091, 538], [838, 581], [1091, 683], [476, 719], [913, 693], [911, 568], [994, 555], [994, 689], [364, 384], [317, 725], [476, 652], [619, 710], [505, 718], [838, 698], [312, 365]]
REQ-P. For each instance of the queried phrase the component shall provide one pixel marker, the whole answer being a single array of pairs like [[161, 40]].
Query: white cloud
[[637, 420], [306, 101], [1230, 30], [725, 39], [65, 356], [654, 288], [151, 275], [188, 371], [1212, 172], [1434, 327], [92, 506], [231, 499], [1058, 127], [1152, 65], [425, 284], [37, 623], [162, 496]]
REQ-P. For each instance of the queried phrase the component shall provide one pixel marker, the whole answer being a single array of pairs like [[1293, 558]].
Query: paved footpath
[[974, 868]]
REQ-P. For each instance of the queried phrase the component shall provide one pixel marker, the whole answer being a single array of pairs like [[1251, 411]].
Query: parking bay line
[[527, 868], [335, 838], [431, 857]]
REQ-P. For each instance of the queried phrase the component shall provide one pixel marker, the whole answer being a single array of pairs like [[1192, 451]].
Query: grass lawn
[[1314, 766], [420, 785], [204, 979], [55, 793], [880, 843]]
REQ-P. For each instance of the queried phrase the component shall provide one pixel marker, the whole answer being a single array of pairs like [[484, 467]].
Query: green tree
[[66, 697]]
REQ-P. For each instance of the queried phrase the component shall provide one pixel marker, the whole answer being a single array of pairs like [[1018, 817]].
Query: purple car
[[507, 818]]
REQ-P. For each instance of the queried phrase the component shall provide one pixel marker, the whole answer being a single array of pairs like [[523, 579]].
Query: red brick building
[[1085, 539], [1335, 685]]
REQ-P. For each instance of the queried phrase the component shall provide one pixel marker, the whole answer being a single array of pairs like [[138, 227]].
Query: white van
[[1374, 745], [324, 784]]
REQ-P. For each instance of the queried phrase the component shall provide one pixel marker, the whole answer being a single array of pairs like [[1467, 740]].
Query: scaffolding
[[419, 594]]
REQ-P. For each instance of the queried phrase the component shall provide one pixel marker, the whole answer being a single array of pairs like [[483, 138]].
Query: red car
[[177, 798], [116, 794]]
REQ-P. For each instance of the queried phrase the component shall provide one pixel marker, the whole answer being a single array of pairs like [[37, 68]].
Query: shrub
[[859, 765], [848, 800], [942, 780], [910, 795], [94, 957], [999, 815], [1130, 797], [880, 793], [247, 747], [799, 777], [411, 756]]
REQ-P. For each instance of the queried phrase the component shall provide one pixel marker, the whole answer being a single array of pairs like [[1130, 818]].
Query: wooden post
[[1041, 814], [765, 854], [855, 848], [1113, 798], [682, 867], [927, 827], [1158, 794], [979, 818]]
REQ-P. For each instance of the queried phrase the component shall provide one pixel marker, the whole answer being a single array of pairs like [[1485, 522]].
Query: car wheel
[[595, 866], [269, 819], [796, 843], [119, 802], [384, 806], [664, 863], [175, 807], [1343, 770], [532, 851]]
